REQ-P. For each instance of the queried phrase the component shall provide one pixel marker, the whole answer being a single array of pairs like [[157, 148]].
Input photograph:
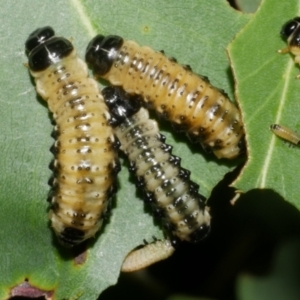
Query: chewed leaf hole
[[25, 290]]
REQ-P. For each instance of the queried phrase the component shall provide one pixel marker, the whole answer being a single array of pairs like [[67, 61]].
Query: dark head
[[70, 237], [44, 49], [102, 51], [38, 37], [121, 105], [291, 31]]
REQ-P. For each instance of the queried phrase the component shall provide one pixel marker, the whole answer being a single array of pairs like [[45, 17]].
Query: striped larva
[[167, 186], [85, 162], [189, 101], [291, 32], [286, 133]]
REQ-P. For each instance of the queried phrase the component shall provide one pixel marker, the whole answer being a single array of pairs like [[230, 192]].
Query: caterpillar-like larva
[[188, 100], [85, 162], [167, 186], [147, 255], [286, 133], [291, 33]]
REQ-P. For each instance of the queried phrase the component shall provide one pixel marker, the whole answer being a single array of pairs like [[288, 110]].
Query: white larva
[[147, 255], [286, 133]]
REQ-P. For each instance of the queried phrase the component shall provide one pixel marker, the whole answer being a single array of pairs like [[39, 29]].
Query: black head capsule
[[101, 52], [121, 104], [44, 49], [39, 36], [290, 27], [70, 237], [291, 33]]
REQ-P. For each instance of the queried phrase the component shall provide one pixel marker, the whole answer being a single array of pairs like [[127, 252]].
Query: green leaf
[[248, 5], [268, 93], [195, 32]]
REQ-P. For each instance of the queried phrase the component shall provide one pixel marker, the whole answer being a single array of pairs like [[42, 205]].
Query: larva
[[286, 133], [167, 186], [147, 255], [291, 32], [189, 101], [86, 161]]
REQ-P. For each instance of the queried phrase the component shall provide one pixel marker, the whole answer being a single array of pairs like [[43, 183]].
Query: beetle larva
[[286, 133], [167, 186], [291, 32], [189, 101], [147, 255], [86, 162]]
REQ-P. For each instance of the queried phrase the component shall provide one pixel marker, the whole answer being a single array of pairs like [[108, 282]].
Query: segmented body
[[286, 133], [85, 161], [174, 197], [193, 105]]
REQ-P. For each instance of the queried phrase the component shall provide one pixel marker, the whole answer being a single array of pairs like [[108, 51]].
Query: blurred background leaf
[[283, 280]]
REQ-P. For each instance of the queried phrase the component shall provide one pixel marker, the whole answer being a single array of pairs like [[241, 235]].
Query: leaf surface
[[268, 93], [196, 32]]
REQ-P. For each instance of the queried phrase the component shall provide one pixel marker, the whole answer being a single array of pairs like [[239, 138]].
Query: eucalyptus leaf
[[268, 93], [195, 32], [249, 6]]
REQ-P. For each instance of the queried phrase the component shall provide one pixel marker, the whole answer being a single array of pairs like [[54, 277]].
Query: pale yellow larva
[[147, 255], [286, 133], [86, 162], [188, 100]]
